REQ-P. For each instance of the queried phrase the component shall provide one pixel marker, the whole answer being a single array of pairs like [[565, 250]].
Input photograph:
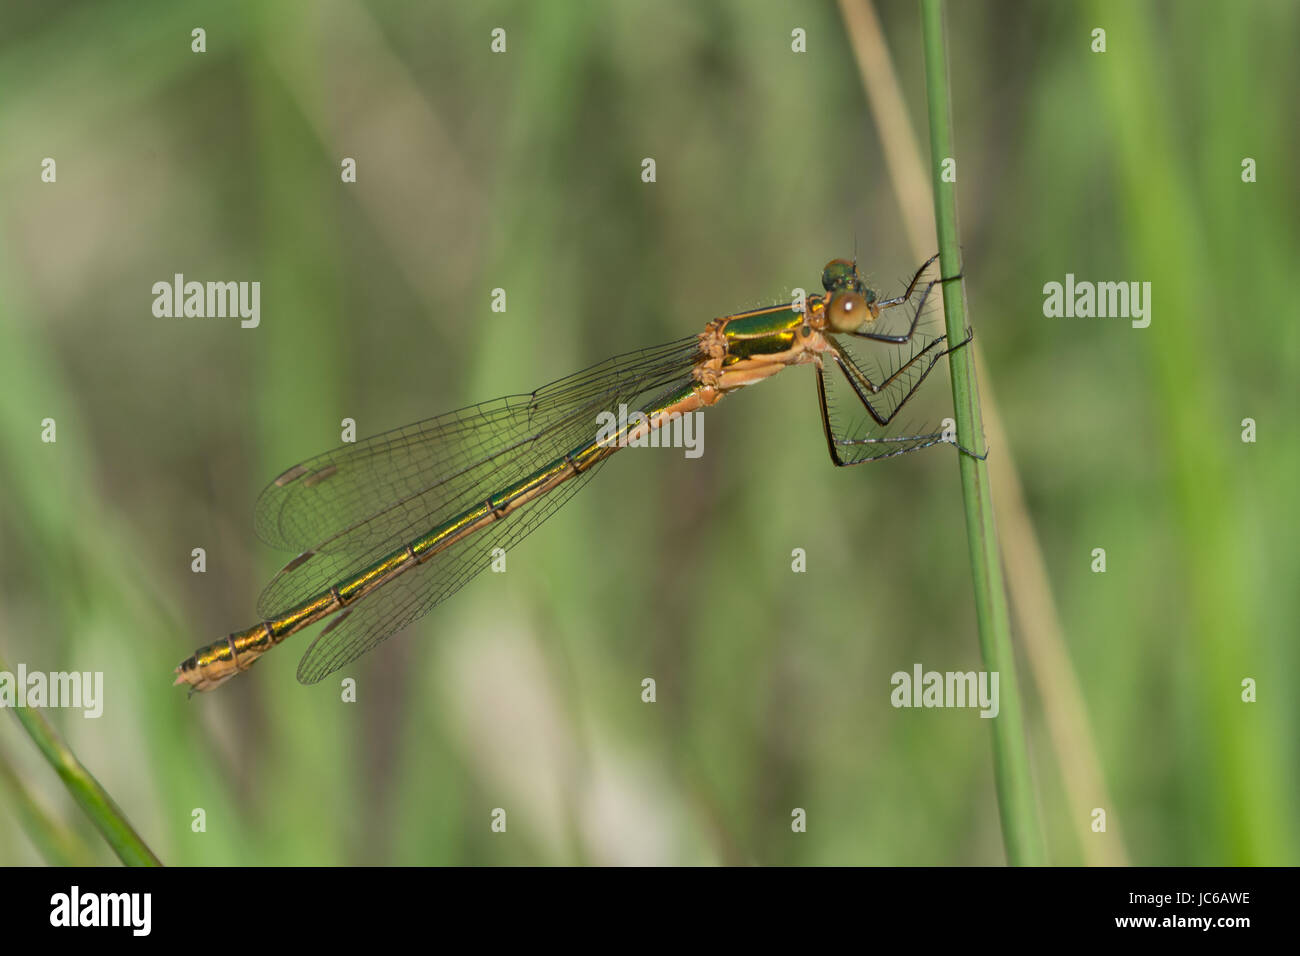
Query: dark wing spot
[[297, 471], [317, 477], [297, 562]]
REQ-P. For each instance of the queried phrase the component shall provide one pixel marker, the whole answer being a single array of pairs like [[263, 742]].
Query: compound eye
[[848, 311]]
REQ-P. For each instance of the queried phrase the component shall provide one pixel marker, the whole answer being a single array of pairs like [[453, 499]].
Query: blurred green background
[[522, 171]]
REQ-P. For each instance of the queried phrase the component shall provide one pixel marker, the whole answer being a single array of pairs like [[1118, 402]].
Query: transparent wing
[[411, 468], [415, 593], [353, 505]]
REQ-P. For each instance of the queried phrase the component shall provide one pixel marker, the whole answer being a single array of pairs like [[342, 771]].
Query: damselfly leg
[[862, 383], [895, 444], [900, 300], [883, 396]]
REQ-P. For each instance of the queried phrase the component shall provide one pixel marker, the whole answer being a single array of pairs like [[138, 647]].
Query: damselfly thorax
[[391, 526]]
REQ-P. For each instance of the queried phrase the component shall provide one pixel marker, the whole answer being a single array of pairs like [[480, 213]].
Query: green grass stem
[[1021, 832], [103, 811]]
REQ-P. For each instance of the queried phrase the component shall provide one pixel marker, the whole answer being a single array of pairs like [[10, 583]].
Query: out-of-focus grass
[[521, 171], [55, 843], [99, 807], [1247, 793]]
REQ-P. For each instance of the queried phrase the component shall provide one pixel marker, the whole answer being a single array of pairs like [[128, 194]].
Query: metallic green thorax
[[762, 332]]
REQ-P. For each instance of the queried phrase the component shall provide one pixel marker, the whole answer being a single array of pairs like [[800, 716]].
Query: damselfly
[[391, 526]]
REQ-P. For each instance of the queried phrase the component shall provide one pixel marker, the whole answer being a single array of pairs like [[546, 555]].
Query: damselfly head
[[852, 302], [840, 274]]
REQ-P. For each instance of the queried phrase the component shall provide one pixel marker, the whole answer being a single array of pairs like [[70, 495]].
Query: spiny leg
[[916, 316], [899, 300], [912, 442], [834, 444], [922, 441], [857, 378]]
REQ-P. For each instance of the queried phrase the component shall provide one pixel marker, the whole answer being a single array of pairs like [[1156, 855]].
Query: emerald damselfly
[[391, 526]]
